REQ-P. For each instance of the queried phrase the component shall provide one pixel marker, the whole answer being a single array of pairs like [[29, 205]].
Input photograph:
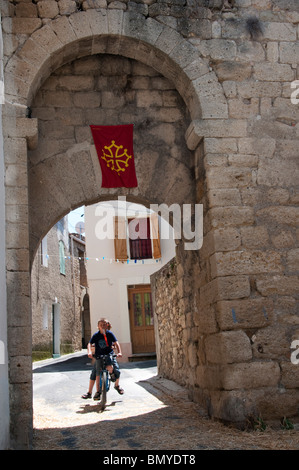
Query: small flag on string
[[114, 146]]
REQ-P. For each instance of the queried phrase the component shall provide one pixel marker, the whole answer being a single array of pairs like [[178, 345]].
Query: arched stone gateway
[[216, 335]]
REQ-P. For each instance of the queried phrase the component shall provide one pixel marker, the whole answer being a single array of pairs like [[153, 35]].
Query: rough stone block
[[226, 216], [63, 30], [46, 39], [115, 21], [15, 151], [229, 177], [205, 319], [226, 239], [263, 147], [224, 197], [212, 99], [255, 89], [17, 235], [250, 52], [18, 300], [19, 340], [272, 342], [208, 377], [237, 160], [34, 54], [20, 369], [17, 259], [238, 109], [293, 260], [184, 54], [274, 215], [216, 128], [218, 146], [228, 347], [218, 49], [98, 21], [289, 52], [280, 285], [289, 375], [234, 71], [244, 313], [27, 128], [238, 405], [22, 25], [80, 24], [233, 287], [245, 262], [273, 72], [250, 376], [279, 31], [254, 237]]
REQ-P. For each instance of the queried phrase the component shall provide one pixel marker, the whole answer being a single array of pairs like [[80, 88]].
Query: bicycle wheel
[[103, 388]]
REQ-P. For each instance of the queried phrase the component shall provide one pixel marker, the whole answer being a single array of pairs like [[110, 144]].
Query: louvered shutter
[[155, 236], [120, 238]]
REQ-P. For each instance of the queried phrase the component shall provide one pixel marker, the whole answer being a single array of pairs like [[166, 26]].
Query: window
[[137, 238], [140, 243], [61, 257]]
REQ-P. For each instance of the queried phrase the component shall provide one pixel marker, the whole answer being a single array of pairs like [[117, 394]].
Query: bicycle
[[105, 381]]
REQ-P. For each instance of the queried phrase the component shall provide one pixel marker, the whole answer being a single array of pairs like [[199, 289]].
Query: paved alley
[[153, 414]]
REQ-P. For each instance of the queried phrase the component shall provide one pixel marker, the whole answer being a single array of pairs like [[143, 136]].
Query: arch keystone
[[80, 23], [98, 21]]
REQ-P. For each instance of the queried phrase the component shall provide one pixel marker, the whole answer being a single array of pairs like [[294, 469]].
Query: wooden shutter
[[155, 235], [120, 238]]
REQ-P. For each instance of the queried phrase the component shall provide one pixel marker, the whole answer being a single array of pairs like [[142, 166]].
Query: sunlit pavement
[[153, 414]]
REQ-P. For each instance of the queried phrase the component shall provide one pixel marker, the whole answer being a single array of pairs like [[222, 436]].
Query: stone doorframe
[[56, 43]]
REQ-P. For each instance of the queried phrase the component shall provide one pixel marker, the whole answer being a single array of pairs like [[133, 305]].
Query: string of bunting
[[104, 258]]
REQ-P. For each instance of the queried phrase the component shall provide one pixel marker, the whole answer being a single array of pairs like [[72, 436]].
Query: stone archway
[[65, 39]]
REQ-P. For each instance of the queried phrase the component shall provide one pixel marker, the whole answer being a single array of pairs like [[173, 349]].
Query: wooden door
[[141, 319]]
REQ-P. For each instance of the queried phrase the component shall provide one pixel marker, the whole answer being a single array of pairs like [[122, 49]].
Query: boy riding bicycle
[[104, 341]]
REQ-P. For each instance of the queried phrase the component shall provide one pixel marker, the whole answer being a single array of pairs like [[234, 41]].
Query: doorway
[[141, 319]]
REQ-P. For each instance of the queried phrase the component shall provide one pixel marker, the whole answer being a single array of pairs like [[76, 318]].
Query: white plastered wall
[[108, 280]]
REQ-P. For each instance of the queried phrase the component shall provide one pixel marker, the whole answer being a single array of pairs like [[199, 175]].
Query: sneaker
[[86, 395], [97, 396], [112, 377]]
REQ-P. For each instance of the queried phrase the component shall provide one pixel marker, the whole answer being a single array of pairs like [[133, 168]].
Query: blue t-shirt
[[98, 339]]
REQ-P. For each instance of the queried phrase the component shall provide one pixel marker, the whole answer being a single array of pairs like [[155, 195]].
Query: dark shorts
[[110, 361]]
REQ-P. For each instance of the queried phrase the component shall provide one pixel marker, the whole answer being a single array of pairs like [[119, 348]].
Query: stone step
[[142, 357]]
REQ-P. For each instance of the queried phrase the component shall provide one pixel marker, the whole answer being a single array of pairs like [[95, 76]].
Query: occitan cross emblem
[[116, 158]]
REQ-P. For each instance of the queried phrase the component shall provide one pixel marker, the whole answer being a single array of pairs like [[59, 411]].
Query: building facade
[[57, 292], [119, 278]]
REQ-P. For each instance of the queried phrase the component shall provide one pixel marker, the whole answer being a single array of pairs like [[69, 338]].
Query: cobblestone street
[[153, 414]]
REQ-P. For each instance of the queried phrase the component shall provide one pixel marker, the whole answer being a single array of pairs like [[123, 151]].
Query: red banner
[[114, 145]]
